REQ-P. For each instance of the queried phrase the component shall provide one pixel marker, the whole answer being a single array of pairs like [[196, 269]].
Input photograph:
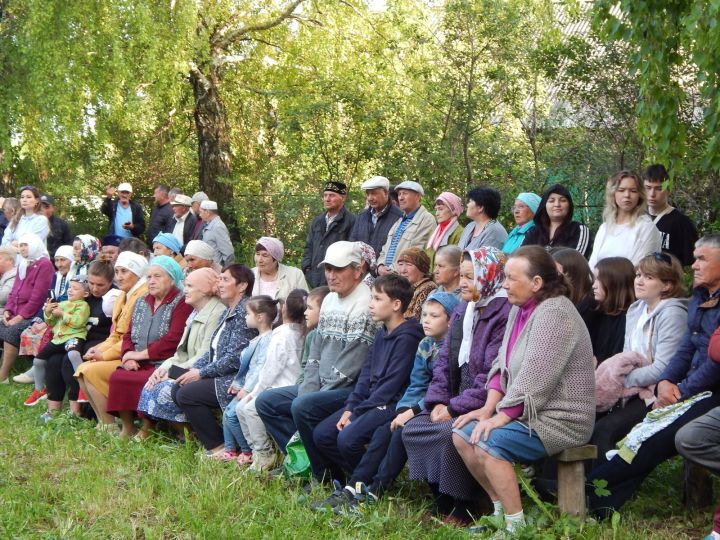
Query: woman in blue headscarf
[[157, 324], [167, 244], [526, 204]]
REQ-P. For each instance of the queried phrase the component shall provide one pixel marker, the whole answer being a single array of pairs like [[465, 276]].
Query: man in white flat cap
[[373, 224], [183, 223], [413, 229], [125, 215], [216, 235]]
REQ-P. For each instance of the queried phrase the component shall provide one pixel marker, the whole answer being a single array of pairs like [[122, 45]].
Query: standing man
[[183, 222], [373, 224], [678, 232], [197, 198], [59, 228], [216, 235], [162, 214], [125, 216], [413, 229], [333, 226]]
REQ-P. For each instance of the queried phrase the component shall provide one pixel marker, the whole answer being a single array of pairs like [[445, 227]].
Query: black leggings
[[59, 374], [199, 403]]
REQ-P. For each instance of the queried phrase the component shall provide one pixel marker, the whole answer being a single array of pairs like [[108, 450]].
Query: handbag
[[296, 463]]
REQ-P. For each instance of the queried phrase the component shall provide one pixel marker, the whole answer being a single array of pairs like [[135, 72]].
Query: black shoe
[[340, 497], [363, 494]]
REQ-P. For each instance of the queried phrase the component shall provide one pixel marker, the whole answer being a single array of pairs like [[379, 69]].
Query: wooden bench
[[571, 478]]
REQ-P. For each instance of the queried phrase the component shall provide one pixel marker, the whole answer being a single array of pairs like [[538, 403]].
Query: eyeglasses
[[662, 257]]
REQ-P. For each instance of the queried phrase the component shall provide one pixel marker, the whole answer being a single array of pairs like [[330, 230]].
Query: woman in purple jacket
[[458, 386], [29, 292]]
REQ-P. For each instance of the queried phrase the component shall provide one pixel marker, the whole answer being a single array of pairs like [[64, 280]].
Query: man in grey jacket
[[216, 234]]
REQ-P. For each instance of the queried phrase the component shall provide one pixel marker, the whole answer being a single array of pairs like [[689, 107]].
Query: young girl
[[69, 323], [27, 219], [261, 312], [312, 317], [281, 368]]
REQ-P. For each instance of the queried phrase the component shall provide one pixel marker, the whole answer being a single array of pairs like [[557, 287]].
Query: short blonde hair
[[8, 253], [610, 211]]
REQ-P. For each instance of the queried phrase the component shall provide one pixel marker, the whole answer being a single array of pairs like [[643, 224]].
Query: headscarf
[[36, 251], [199, 249], [89, 250], [66, 252], [455, 204], [137, 264], [489, 273], [417, 257], [170, 267], [273, 246], [531, 200], [367, 254], [169, 241], [205, 280]]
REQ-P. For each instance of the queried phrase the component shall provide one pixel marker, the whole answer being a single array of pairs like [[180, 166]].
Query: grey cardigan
[[666, 329], [551, 373]]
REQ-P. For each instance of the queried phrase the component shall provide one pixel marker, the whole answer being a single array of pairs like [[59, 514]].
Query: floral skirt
[[158, 403]]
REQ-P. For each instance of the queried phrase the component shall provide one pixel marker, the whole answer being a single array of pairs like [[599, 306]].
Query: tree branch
[[227, 37]]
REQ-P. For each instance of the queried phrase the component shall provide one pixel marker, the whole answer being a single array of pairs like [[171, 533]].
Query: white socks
[[513, 521], [497, 508]]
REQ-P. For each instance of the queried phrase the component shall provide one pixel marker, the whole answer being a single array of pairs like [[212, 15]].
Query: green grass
[[66, 480]]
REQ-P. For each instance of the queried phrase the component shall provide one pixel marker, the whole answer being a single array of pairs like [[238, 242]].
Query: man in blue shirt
[[125, 216]]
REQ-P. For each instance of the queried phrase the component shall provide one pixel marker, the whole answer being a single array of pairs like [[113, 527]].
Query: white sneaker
[[262, 461], [23, 379]]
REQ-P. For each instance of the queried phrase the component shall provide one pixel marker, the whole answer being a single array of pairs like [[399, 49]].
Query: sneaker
[[262, 461], [244, 459], [35, 398], [82, 398], [340, 497], [364, 495], [23, 378]]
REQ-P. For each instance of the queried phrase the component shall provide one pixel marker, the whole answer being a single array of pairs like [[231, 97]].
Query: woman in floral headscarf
[[448, 207], [86, 249], [458, 386], [369, 258]]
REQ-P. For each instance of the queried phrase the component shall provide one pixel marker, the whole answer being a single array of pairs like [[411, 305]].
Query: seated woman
[[271, 276], [34, 275], [60, 369], [156, 326], [166, 244], [458, 383], [576, 270], [614, 291], [627, 231], [204, 388], [199, 254], [102, 360], [554, 225], [156, 398], [414, 264], [625, 382], [448, 207], [541, 387], [447, 270], [86, 248], [526, 204]]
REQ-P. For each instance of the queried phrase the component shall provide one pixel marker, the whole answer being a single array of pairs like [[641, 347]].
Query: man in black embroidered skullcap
[[334, 225]]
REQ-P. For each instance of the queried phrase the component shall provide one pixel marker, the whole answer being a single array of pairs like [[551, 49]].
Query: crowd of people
[[403, 339]]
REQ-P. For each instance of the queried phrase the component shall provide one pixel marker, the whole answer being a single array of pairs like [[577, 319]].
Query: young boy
[[69, 323], [341, 438]]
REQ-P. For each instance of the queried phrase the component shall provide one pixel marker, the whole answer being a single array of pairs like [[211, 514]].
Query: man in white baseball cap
[[215, 233], [373, 224], [125, 216], [413, 229], [183, 223]]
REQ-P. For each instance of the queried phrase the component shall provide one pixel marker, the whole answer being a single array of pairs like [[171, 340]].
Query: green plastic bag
[[296, 463]]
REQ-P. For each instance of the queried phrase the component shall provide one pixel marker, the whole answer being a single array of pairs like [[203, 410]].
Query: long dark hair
[[576, 270], [541, 264], [295, 304], [19, 212], [541, 218], [617, 277]]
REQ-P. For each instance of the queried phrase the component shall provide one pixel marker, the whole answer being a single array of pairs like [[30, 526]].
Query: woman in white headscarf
[[29, 292]]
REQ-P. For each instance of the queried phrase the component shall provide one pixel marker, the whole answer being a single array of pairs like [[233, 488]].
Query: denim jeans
[[232, 433]]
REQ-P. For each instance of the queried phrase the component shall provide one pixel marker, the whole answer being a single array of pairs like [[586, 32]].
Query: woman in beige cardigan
[[541, 397], [271, 276]]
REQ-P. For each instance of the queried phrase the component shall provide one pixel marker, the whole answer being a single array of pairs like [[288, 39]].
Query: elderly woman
[[204, 388], [156, 326], [523, 210], [271, 276], [448, 207], [199, 254], [541, 397], [103, 359], [34, 275], [27, 219], [60, 369], [458, 383], [86, 248], [166, 244], [447, 269], [414, 264], [156, 398], [483, 207], [7, 273]]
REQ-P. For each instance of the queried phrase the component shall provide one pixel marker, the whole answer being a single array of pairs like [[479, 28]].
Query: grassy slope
[[66, 480]]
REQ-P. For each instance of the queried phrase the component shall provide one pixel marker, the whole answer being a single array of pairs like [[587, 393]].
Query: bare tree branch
[[227, 36]]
